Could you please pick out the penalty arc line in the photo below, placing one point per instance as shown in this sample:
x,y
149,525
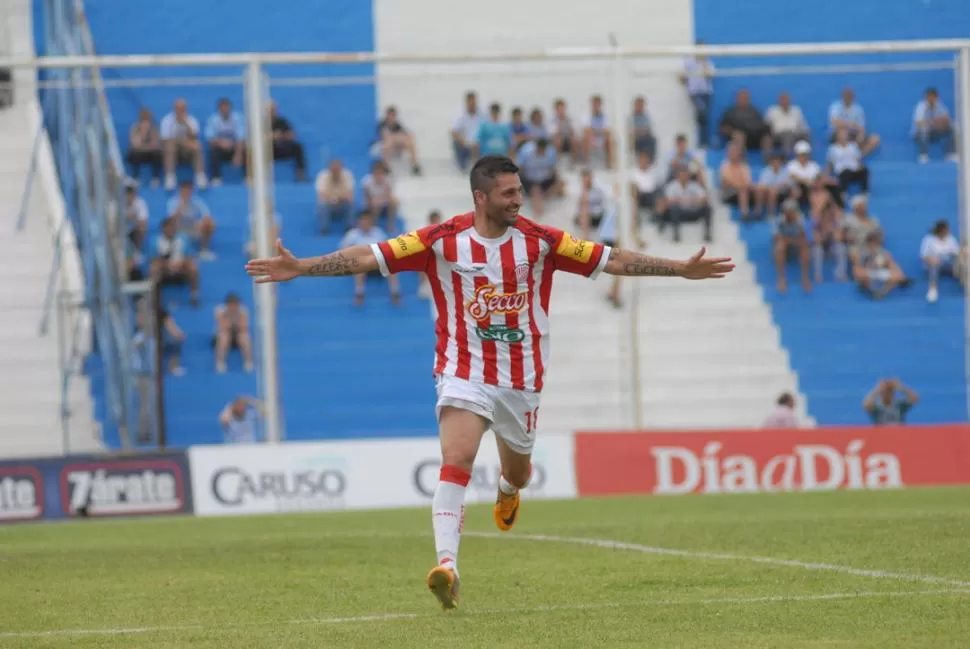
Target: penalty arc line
x,y
720,556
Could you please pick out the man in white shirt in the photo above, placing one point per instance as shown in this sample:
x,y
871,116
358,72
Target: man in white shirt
x,y
932,123
180,144
848,114
686,201
813,189
464,132
335,195
844,160
379,198
562,131
787,124
645,184
698,77
773,188
366,233
783,415
596,132
940,252
136,209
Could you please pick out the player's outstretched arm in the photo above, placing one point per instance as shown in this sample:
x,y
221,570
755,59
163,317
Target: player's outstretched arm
x,y
635,264
286,266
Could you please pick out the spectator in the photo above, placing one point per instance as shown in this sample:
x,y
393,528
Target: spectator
x,y
858,226
783,415
225,133
646,186
172,339
424,285
940,252
172,263
494,137
520,130
194,219
787,124
135,258
812,188
465,131
791,239
232,332
681,156
597,209
238,420
596,132
641,129
931,122
537,126
136,209
562,131
698,77
335,195
395,139
180,145
877,272
845,163
829,237
366,233
737,187
145,147
685,201
285,144
889,402
849,115
774,187
379,198
743,122
537,164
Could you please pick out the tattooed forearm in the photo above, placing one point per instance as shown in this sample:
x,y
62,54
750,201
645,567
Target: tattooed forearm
x,y
334,264
626,262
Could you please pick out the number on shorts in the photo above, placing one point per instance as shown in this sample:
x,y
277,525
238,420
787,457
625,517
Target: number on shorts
x,y
531,421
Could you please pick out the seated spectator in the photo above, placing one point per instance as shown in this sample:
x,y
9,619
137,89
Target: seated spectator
x,y
537,126
791,240
787,124
225,133
877,272
285,144
172,339
537,165
424,285
828,237
940,253
858,226
494,137
145,147
773,188
563,132
848,114
596,132
889,402
932,123
595,200
193,218
783,416
238,420
681,156
845,163
737,188
335,195
743,122
812,188
180,145
379,198
395,139
520,130
232,332
136,209
366,233
698,77
685,201
641,128
646,186
134,257
465,131
172,263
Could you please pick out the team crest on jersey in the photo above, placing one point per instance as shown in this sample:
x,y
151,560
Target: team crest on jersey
x,y
406,245
574,248
488,301
521,273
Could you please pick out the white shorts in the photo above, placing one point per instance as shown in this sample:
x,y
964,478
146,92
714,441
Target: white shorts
x,y
512,413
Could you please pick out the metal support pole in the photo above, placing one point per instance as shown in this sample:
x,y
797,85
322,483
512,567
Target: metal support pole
x,y
265,293
31,172
963,125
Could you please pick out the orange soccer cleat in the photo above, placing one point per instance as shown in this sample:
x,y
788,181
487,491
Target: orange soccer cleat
x,y
443,584
506,510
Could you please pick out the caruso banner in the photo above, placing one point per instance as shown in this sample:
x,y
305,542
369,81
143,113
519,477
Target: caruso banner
x,y
771,460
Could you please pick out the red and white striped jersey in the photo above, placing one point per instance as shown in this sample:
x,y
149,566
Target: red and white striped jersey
x,y
491,295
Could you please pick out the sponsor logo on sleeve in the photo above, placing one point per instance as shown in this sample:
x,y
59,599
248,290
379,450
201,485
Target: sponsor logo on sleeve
x,y
21,494
575,249
406,245
112,488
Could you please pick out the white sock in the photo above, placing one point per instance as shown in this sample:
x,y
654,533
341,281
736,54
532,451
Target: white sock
x,y
448,513
510,489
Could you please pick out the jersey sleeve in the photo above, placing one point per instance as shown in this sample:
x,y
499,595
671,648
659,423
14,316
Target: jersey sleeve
x,y
572,255
410,251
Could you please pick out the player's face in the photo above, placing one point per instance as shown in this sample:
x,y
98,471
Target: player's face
x,y
504,200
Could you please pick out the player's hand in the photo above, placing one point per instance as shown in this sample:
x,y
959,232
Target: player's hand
x,y
701,267
281,268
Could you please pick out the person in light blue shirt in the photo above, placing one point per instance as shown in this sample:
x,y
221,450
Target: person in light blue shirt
x,y
537,126
521,133
773,187
537,168
193,218
932,123
494,136
641,128
847,113
698,77
366,233
225,133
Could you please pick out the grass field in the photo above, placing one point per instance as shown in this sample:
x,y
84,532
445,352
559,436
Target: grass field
x,y
838,569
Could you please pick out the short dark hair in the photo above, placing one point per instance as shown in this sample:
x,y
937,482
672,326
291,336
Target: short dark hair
x,y
483,174
932,91
167,221
680,138
786,399
224,101
232,298
940,226
186,183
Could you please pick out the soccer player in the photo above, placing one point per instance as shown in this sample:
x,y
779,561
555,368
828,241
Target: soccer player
x,y
491,277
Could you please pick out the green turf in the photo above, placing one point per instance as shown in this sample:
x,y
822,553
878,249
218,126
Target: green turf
x,y
311,580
